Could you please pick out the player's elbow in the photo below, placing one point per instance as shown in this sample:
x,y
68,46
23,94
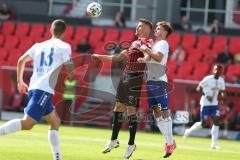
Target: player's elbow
x,y
20,61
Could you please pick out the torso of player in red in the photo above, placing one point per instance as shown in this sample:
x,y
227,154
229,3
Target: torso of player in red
x,y
133,53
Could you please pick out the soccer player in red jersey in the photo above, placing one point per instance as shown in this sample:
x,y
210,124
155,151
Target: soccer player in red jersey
x,y
127,98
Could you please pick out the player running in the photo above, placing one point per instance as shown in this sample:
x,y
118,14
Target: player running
x,y
132,78
157,82
47,58
210,87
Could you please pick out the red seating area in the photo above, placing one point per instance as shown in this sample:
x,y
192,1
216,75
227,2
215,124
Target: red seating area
x,y
16,38
201,51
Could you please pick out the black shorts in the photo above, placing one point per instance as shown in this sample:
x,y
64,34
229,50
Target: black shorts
x,y
129,89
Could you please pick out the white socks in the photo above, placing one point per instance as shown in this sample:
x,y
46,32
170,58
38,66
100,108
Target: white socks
x,y
53,138
10,127
194,127
165,126
215,130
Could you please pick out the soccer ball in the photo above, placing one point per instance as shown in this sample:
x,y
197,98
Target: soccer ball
x,y
94,9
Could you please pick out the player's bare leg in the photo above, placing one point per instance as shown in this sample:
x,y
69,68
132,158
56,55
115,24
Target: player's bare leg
x,y
26,123
215,131
164,123
116,125
53,136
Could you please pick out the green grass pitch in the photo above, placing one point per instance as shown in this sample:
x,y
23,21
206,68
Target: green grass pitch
x,y
87,143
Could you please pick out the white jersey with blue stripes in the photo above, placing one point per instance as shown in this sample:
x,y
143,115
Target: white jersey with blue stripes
x,y
48,57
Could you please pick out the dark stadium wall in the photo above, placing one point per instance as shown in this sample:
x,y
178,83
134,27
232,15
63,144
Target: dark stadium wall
x,y
33,7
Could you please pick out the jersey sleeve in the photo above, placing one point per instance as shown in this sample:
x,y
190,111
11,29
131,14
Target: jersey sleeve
x,y
31,51
222,85
162,47
66,56
203,83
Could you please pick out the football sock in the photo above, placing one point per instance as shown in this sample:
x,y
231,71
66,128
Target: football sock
x,y
195,127
117,123
53,137
11,126
132,124
215,130
165,126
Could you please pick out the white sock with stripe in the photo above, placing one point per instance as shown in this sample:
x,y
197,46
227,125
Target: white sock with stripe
x,y
53,137
10,127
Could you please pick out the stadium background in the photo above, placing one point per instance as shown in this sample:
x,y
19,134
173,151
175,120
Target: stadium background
x,y
30,23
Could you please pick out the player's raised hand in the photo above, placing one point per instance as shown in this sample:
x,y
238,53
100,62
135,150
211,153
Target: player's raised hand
x,y
22,87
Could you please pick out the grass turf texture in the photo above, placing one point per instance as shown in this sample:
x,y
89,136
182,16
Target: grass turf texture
x,y
88,143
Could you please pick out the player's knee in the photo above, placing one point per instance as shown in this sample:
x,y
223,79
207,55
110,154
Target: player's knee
x,y
165,114
55,124
27,125
156,112
131,110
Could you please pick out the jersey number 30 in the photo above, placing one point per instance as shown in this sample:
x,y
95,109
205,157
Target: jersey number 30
x,y
46,60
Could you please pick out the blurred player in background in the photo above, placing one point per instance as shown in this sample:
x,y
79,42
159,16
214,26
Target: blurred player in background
x,y
157,82
47,58
210,87
129,88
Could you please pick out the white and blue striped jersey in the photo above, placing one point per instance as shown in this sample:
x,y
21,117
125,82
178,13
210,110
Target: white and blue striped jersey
x,y
48,58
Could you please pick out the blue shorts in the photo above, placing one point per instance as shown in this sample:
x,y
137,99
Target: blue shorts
x,y
39,104
209,111
158,94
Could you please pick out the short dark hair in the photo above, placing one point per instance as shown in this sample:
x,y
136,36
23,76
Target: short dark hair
x,y
219,66
58,27
147,22
167,26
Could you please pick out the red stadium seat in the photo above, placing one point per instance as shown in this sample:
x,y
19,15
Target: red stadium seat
x,y
111,35
127,35
14,55
219,43
3,54
8,28
39,39
200,70
69,32
25,44
96,36
174,40
171,69
82,32
232,70
1,40
97,33
37,30
194,55
185,69
11,42
22,29
100,48
234,45
189,41
47,34
204,42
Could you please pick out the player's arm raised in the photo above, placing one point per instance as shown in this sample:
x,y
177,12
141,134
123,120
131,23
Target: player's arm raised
x,y
115,58
22,86
156,56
